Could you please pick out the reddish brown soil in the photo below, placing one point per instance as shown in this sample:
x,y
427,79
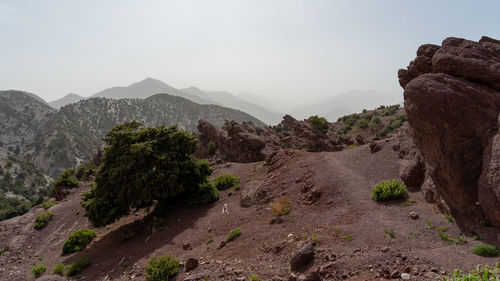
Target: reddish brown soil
x,y
344,178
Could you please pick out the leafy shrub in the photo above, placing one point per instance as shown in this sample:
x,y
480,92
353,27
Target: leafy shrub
x,y
206,194
225,181
144,168
59,269
66,180
78,240
43,219
281,207
486,250
445,237
390,233
211,147
460,240
210,240
77,267
449,218
233,234
48,204
389,190
484,273
162,269
85,170
348,237
38,270
254,277
319,123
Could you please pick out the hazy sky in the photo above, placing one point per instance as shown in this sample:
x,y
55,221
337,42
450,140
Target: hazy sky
x,y
293,52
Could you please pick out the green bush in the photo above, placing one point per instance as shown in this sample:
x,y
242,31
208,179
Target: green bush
x,y
162,269
206,193
389,190
48,204
77,267
66,180
225,181
78,240
211,148
233,234
146,168
254,277
486,250
319,123
484,273
43,219
38,270
59,269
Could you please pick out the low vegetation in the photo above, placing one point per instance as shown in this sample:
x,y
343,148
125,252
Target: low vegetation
x,y
59,269
486,250
254,277
483,273
225,181
389,190
319,123
147,168
390,233
48,204
77,267
280,207
85,171
162,269
78,241
65,179
38,270
43,219
211,148
233,235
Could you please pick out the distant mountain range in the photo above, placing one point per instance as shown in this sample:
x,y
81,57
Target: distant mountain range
x,y
59,139
150,86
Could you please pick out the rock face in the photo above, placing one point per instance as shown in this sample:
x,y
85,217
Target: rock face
x,y
452,100
303,258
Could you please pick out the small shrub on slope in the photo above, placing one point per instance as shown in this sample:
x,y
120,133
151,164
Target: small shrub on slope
x,y
281,207
233,234
483,273
43,219
162,269
389,190
486,250
78,240
38,270
225,181
77,267
59,269
319,123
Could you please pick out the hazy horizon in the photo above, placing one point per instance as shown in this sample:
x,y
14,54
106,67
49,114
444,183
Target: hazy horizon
x,y
289,52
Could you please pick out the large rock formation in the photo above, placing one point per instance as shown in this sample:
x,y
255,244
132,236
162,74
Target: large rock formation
x,y
452,100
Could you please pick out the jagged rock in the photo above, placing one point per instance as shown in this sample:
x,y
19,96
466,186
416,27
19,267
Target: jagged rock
x,y
302,258
452,108
252,193
413,173
191,264
374,147
186,246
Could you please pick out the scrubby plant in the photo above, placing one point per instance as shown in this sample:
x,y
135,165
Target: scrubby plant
x,y
254,277
147,168
225,181
460,240
233,234
59,269
336,229
409,202
483,273
389,190
85,170
348,237
162,269
211,148
485,250
65,179
316,239
77,267
445,237
280,207
229,193
449,218
390,233
43,219
430,225
78,240
48,204
38,270
442,228
210,240
319,123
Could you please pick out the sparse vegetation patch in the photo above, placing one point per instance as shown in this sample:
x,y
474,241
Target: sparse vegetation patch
x,y
233,235
486,250
38,270
281,207
77,267
162,269
389,190
225,181
43,219
78,240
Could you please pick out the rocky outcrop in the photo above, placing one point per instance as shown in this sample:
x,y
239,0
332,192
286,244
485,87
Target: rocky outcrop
x,y
248,143
452,101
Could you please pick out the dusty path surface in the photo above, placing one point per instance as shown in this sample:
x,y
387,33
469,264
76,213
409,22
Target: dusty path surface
x,y
347,226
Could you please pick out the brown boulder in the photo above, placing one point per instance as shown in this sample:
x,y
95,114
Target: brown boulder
x,y
453,111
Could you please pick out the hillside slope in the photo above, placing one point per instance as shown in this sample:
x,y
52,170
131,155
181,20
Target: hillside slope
x,y
347,226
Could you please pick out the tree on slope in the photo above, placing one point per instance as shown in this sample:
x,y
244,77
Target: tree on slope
x,y
147,167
